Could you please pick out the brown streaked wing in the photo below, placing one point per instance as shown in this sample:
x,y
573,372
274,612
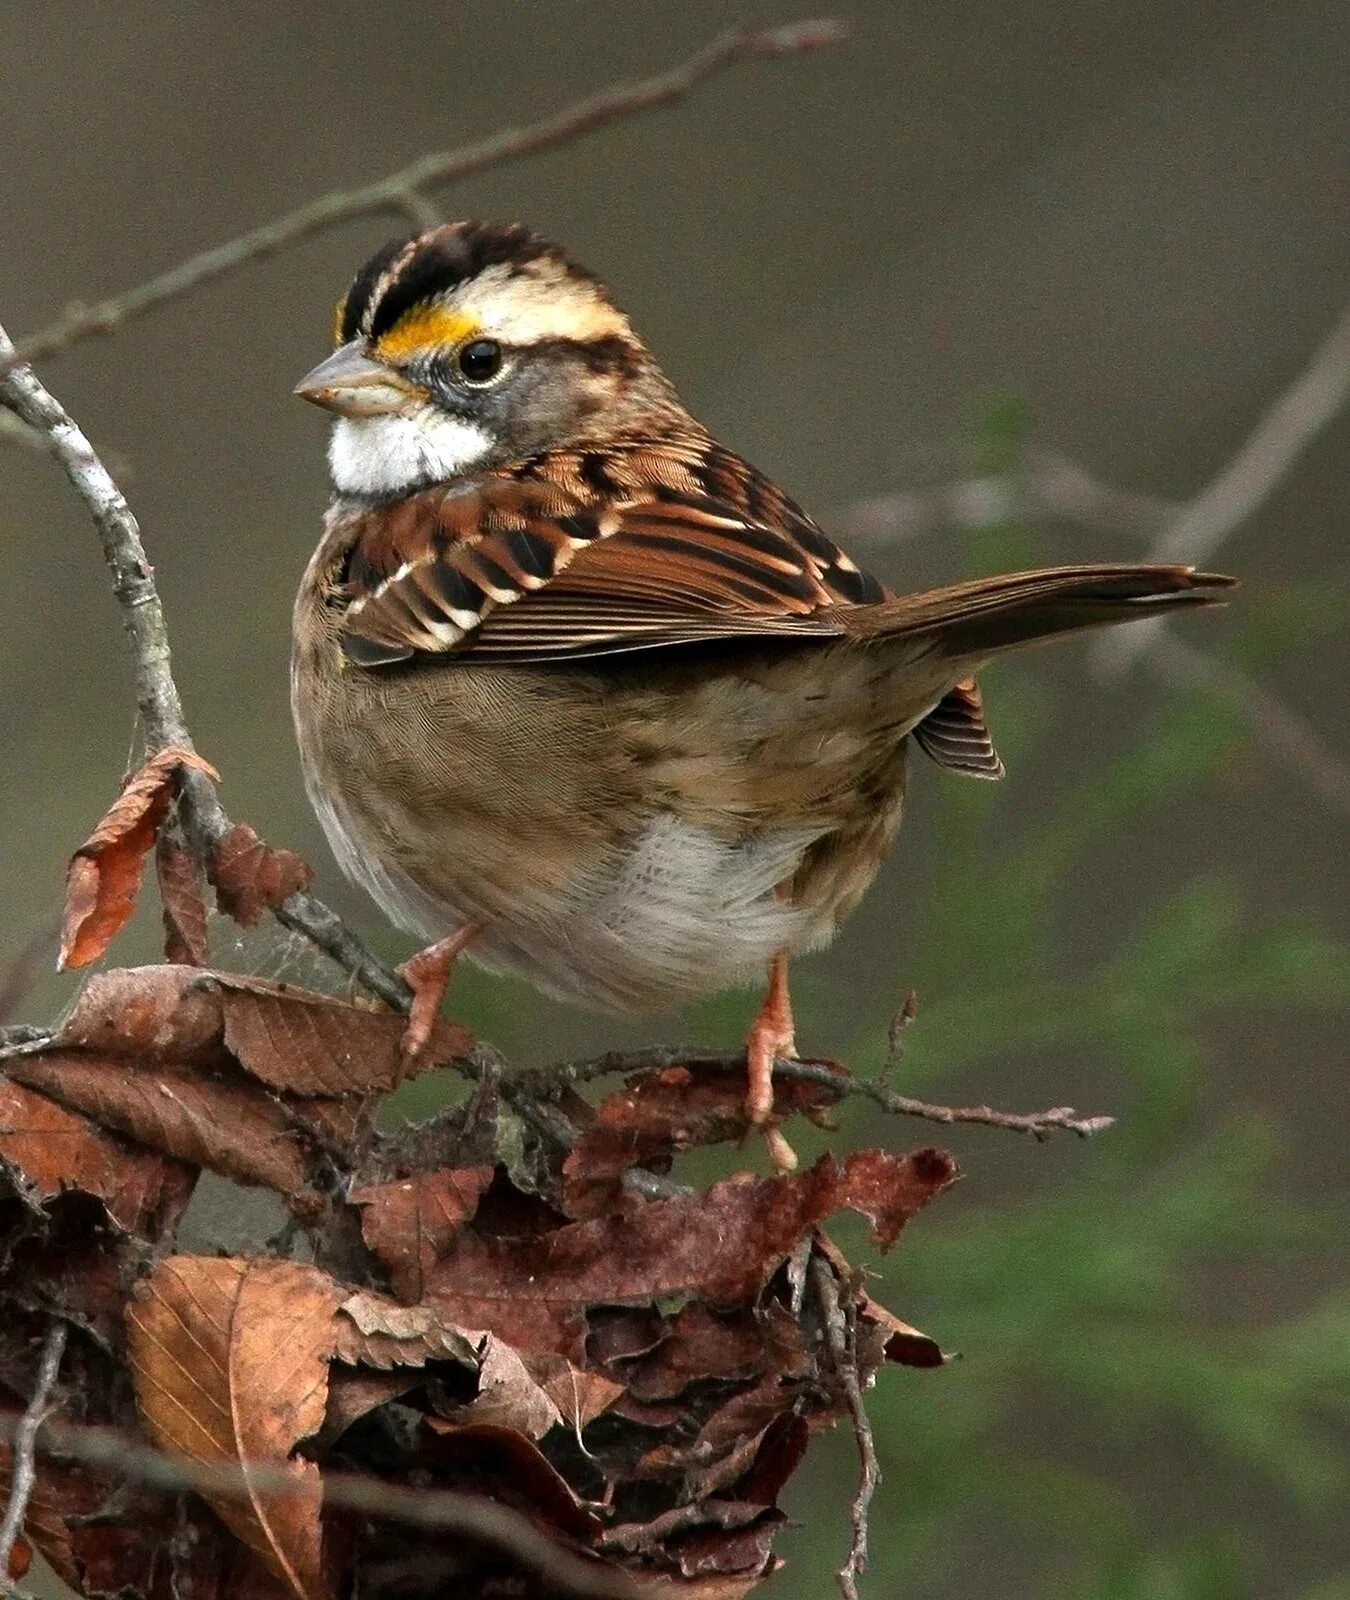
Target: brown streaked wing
x,y
581,554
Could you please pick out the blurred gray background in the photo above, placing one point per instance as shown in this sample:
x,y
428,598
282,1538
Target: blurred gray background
x,y
1112,231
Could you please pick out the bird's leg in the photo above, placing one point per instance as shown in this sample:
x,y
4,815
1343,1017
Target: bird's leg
x,y
771,1034
427,974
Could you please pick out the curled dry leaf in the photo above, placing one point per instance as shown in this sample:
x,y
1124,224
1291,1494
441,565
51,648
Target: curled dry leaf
x,y
508,1397
49,1149
104,876
250,877
578,1397
409,1222
179,877
373,1331
229,1359
702,1344
535,1292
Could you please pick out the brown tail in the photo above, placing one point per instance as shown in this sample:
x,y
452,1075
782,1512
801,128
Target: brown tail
x,y
974,620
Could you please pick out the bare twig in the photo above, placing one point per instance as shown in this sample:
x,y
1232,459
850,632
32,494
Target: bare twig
x,y
1055,486
547,1081
395,193
14,432
840,1329
1039,1124
895,1034
24,968
470,1516
1246,480
23,1451
1051,486
157,697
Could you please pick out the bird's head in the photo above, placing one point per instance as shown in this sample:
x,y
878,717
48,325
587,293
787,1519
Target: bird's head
x,y
475,346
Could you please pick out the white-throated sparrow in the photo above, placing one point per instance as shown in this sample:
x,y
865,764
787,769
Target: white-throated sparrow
x,y
578,688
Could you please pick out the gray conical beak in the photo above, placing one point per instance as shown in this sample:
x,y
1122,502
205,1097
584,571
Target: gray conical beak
x,y
353,385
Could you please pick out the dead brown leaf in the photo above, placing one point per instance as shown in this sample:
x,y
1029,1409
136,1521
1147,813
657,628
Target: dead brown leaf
x,y
51,1149
289,1038
179,876
717,1551
662,1112
509,1467
311,1044
231,1127
409,1221
535,1292
579,1397
700,1343
57,1493
250,877
150,1013
229,1359
508,1397
104,877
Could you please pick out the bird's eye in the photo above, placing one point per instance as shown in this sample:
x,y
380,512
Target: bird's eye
x,y
481,360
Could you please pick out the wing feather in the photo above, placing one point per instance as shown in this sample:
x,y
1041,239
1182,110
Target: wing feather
x,y
579,554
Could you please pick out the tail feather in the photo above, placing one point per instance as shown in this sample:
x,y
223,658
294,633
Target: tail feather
x,y
971,621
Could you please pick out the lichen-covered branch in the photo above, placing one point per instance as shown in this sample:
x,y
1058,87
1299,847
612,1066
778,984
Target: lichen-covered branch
x,y
23,1449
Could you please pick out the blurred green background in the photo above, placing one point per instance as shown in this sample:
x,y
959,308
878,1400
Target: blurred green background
x,y
977,233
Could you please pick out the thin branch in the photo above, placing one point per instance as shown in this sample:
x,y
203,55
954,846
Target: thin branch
x,y
157,698
1277,725
23,1451
547,1081
840,1330
19,975
470,1516
392,193
1056,486
895,1034
1039,1124
1051,486
420,211
14,432
1246,480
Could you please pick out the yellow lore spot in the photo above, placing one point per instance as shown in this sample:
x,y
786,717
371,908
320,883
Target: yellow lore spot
x,y
426,327
339,313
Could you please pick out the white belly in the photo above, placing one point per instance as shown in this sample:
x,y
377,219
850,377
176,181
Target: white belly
x,y
678,914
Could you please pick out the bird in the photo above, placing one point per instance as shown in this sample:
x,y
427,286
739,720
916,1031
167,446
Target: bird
x,y
580,693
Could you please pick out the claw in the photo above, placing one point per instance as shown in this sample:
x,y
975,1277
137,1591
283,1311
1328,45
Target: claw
x,y
771,1034
427,974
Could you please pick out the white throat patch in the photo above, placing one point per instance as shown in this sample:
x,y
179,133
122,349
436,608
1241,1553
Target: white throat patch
x,y
381,455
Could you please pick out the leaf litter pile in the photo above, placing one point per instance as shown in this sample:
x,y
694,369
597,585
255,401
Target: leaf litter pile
x,y
500,1353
